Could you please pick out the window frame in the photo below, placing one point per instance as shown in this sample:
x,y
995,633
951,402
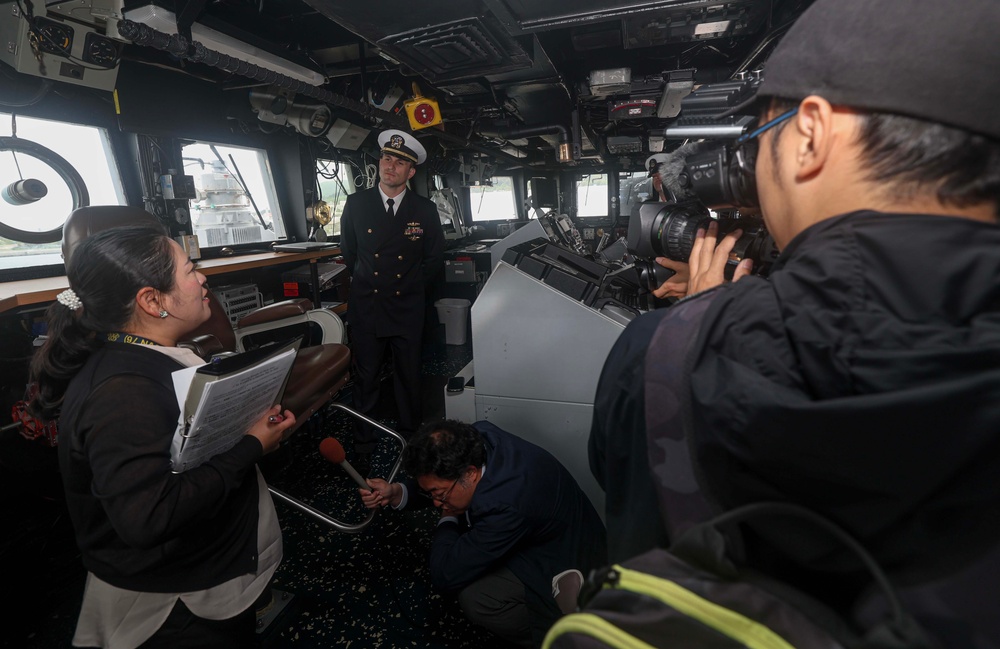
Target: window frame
x,y
40,250
270,187
607,197
338,180
514,215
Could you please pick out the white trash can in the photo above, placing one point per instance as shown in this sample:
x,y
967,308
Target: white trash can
x,y
454,315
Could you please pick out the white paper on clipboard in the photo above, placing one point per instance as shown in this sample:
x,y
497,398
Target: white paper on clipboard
x,y
225,407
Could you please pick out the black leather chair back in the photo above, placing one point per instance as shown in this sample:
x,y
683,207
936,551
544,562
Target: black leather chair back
x,y
85,221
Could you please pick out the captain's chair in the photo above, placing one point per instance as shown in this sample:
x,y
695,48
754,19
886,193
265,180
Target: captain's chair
x,y
318,373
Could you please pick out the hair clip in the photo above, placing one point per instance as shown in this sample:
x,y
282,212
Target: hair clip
x,y
69,299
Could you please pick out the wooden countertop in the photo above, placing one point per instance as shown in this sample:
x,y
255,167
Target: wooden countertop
x,y
29,292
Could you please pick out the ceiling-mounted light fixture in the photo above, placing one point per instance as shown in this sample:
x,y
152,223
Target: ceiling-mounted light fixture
x,y
23,192
165,21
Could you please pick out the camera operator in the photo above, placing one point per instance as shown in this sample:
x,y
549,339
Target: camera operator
x,y
862,378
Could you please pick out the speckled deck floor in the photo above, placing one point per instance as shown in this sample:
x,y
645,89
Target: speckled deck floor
x,y
370,589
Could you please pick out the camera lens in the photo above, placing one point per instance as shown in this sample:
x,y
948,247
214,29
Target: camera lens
x,y
675,229
665,229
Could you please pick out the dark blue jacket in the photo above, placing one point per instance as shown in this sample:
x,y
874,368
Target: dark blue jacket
x,y
527,514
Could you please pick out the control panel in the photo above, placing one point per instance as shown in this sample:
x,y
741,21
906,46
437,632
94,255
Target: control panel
x,y
61,50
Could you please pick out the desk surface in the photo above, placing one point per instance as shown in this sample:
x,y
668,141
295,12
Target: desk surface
x,y
39,291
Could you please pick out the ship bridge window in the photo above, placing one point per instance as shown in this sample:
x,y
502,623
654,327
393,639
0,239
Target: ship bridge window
x,y
634,187
493,203
49,169
235,200
592,195
335,181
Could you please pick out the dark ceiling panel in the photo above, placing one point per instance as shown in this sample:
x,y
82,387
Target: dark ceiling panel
x,y
720,20
522,16
461,49
495,62
376,20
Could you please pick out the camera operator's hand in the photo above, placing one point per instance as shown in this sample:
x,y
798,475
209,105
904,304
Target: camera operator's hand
x,y
677,285
708,260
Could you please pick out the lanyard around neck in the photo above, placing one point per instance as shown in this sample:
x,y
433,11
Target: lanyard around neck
x,y
129,339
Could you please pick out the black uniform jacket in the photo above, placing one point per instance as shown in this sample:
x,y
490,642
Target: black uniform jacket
x,y
390,262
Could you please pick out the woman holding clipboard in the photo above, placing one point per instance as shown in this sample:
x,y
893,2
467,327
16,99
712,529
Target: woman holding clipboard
x,y
173,559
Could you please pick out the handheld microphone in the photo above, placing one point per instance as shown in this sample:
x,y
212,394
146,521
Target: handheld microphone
x,y
333,451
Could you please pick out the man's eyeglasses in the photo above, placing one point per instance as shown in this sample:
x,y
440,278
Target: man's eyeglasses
x,y
441,497
748,144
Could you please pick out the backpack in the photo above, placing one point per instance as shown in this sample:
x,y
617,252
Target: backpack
x,y
694,596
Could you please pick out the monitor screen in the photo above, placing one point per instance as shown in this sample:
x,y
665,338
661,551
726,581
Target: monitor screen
x,y
544,193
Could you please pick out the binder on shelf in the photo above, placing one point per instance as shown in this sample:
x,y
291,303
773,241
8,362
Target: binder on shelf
x,y
221,400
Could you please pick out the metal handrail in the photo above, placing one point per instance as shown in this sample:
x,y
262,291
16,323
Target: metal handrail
x,y
326,518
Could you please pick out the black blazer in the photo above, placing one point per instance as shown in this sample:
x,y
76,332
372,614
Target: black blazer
x,y
390,262
138,525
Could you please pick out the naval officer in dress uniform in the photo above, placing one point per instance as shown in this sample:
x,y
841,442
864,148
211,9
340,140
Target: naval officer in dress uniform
x,y
393,246
653,163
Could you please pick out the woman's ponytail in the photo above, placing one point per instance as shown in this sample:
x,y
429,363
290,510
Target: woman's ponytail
x,y
106,273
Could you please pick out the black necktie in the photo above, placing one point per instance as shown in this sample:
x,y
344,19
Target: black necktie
x,y
388,210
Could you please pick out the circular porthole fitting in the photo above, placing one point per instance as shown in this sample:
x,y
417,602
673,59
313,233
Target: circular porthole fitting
x,y
38,190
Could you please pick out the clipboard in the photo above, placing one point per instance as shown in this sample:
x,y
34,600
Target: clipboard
x,y
219,401
229,365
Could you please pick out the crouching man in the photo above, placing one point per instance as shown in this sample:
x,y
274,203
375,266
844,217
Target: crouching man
x,y
513,520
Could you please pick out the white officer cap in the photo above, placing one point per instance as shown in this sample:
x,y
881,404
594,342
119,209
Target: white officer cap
x,y
653,161
402,145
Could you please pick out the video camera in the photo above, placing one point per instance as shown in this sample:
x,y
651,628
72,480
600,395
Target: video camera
x,y
702,181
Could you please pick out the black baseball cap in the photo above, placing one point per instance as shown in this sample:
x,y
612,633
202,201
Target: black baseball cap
x,y
935,60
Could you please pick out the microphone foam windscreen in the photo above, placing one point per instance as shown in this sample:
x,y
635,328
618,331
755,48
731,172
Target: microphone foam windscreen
x,y
332,450
671,168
